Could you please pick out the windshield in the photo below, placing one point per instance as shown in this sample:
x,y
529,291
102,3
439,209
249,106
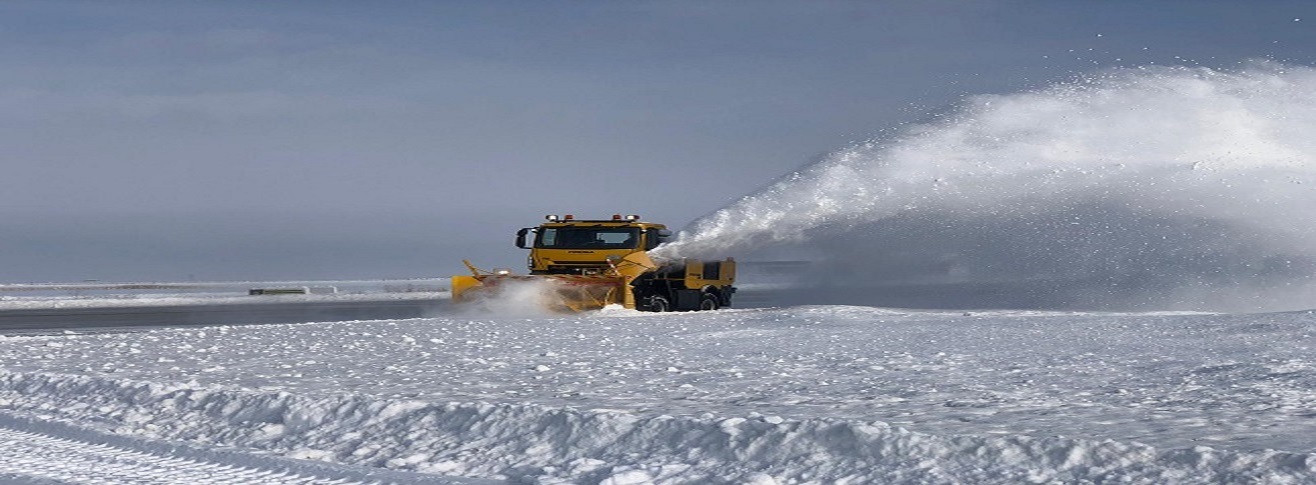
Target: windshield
x,y
587,238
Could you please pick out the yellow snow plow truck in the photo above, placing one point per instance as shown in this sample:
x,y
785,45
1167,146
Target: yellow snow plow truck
x,y
578,265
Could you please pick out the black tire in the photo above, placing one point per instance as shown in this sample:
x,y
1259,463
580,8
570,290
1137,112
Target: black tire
x,y
658,304
709,302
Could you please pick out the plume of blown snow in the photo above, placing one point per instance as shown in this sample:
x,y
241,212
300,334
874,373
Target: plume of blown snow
x,y
1195,183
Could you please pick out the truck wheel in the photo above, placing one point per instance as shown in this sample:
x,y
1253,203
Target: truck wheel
x,y
659,304
708,302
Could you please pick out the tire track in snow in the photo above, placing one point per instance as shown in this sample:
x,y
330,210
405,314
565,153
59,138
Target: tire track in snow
x,y
24,454
38,452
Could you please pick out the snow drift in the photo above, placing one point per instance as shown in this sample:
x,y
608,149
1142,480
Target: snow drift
x,y
812,394
1154,187
547,445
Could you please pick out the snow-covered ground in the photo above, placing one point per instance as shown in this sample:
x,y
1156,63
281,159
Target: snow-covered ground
x,y
810,394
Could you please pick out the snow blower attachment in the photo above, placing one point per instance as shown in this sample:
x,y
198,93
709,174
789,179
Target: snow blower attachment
x,y
579,265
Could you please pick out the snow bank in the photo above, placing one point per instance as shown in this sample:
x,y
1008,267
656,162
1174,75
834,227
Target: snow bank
x,y
112,295
564,445
118,301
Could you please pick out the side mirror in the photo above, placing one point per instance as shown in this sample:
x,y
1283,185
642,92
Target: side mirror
x,y
656,237
520,237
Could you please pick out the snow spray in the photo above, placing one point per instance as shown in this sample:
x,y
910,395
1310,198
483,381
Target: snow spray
x,y
1157,187
515,298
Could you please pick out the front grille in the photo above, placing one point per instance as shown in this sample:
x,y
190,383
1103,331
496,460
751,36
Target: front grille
x,y
564,269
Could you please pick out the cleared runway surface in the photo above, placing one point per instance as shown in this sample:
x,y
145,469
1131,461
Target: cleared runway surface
x,y
28,321
47,320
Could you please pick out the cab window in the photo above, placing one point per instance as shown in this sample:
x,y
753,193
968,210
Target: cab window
x,y
588,238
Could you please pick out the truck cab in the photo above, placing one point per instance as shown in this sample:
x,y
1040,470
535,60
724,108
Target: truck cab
x,y
565,245
605,261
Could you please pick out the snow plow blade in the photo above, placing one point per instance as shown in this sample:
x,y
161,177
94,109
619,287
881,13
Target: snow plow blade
x,y
558,292
562,293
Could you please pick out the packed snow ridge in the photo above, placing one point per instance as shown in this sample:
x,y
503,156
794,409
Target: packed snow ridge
x,y
48,296
824,394
121,301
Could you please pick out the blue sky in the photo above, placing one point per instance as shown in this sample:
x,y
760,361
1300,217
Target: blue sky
x,y
259,140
